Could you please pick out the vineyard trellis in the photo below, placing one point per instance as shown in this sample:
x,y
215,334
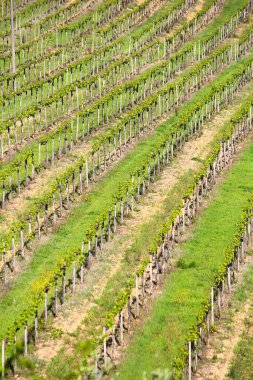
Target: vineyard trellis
x,y
72,256
150,272
85,170
89,85
57,141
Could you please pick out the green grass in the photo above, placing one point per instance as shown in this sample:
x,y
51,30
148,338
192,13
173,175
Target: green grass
x,y
159,341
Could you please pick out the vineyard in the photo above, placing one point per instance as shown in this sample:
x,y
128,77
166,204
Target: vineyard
x,y
126,189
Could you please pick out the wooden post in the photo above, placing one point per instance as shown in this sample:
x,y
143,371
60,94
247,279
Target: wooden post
x,y
74,277
63,287
173,234
56,298
15,365
115,217
163,256
22,242
249,233
104,346
151,273
222,291
87,172
80,181
242,250
45,306
4,267
121,328
96,368
219,301
38,224
208,323
25,340
13,44
143,287
189,361
113,341
229,280
36,328
121,211
137,296
128,312
3,358
183,217
195,356
13,253
212,307
82,273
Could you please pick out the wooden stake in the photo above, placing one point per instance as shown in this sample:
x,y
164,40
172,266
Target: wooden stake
x,y
212,307
189,361
3,358
25,339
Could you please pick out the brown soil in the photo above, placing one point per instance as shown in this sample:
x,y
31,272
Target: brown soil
x,y
192,12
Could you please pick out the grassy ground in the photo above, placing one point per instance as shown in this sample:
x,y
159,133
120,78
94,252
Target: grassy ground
x,y
159,341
